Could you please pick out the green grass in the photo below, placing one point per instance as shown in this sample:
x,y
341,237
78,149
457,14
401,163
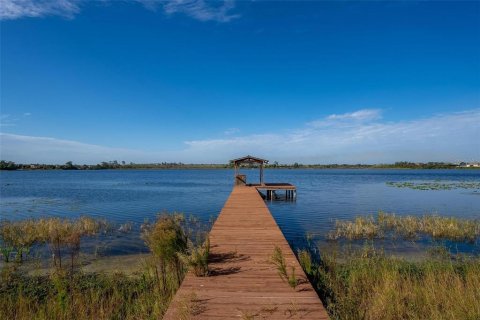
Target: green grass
x,y
278,260
82,296
69,293
368,284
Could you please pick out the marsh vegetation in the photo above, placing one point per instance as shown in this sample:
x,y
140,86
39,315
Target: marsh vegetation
x,y
367,283
435,185
354,283
407,227
176,245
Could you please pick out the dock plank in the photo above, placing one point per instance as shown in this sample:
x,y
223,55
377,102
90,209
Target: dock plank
x,y
243,282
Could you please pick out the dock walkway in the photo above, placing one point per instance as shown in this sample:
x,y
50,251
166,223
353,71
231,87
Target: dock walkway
x,y
243,283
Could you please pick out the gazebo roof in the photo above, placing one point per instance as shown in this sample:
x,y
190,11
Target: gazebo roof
x,y
249,159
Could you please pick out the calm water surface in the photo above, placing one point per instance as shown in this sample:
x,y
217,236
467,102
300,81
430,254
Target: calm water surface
x,y
323,196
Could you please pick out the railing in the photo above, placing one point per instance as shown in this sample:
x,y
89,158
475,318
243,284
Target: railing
x,y
240,180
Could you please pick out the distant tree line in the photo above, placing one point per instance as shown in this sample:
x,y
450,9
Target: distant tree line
x,y
10,165
396,165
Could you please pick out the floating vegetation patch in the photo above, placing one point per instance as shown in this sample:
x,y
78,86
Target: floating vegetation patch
x,y
434,185
407,227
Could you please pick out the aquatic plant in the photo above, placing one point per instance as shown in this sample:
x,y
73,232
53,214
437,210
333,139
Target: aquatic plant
x,y
59,234
73,294
65,235
361,228
407,227
435,185
18,237
305,259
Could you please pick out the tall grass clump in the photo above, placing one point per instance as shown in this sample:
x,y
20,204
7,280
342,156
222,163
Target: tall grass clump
x,y
17,237
196,258
437,227
278,259
62,236
177,246
305,259
407,227
81,296
167,239
361,228
368,284
74,294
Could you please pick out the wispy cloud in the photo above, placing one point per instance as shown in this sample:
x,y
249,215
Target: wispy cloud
x,y
220,11
360,115
30,149
201,10
231,131
14,9
360,136
342,138
6,120
9,120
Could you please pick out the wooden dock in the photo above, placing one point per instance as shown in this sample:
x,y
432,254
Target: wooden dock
x,y
244,284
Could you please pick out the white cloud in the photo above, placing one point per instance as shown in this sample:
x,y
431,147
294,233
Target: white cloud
x,y
361,115
201,10
444,137
14,9
6,120
27,114
231,131
360,138
29,149
347,119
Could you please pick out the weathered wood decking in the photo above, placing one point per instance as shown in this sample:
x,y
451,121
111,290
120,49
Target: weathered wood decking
x,y
244,284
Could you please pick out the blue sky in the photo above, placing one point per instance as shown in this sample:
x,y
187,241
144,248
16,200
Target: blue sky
x,y
198,81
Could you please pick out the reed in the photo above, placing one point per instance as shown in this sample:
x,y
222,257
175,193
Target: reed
x,y
81,296
305,259
73,294
61,235
368,284
407,227
196,258
17,237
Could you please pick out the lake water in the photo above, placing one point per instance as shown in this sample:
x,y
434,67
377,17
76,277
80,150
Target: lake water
x,y
323,196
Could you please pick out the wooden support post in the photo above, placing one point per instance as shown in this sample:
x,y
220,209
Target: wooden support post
x,y
235,172
261,174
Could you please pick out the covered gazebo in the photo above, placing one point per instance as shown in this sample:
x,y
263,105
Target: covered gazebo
x,y
242,179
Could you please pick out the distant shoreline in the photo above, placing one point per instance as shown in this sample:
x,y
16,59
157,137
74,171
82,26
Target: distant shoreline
x,y
114,165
